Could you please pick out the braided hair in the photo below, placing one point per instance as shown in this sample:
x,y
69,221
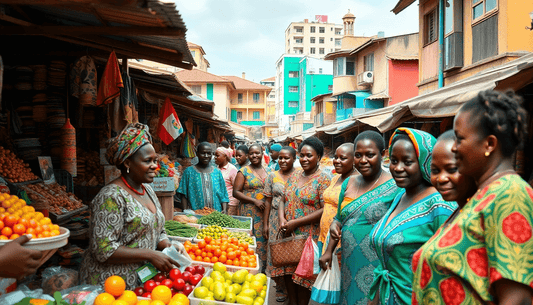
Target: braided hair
x,y
500,114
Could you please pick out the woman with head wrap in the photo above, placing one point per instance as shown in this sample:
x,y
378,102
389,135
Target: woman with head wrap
x,y
416,213
127,223
229,172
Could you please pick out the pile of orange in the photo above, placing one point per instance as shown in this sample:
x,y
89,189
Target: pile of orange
x,y
225,250
14,168
17,218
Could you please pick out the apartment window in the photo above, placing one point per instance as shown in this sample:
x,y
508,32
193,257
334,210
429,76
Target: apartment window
x,y
321,51
256,97
321,29
239,115
256,115
337,42
369,62
480,8
196,89
330,88
312,51
430,27
293,104
193,53
321,40
239,98
448,17
298,40
350,66
312,39
331,29
272,96
319,70
313,29
344,66
293,74
337,32
293,88
299,30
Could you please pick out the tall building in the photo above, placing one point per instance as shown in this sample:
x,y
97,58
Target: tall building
x,y
315,38
271,125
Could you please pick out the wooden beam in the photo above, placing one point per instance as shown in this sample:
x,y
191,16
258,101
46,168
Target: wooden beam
x,y
91,30
70,2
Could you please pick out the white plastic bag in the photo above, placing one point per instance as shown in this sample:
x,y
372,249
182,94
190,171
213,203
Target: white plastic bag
x,y
327,287
183,259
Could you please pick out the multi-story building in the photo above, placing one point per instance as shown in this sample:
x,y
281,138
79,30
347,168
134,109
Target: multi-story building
x,y
198,54
248,101
315,38
271,125
478,35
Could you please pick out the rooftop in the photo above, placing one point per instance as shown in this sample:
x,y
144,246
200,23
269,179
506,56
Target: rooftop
x,y
244,84
199,76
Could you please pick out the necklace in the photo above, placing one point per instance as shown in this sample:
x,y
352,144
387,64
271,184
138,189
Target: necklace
x,y
131,188
371,187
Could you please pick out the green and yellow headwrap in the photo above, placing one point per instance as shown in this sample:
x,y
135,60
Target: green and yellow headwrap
x,y
121,147
423,143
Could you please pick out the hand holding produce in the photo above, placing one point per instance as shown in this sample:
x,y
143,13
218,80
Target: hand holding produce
x,y
17,261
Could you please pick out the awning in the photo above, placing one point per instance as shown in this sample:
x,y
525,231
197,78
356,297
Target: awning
x,y
336,127
141,29
402,57
378,96
321,97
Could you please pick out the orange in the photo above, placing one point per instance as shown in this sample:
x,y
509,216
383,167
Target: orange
x,y
3,237
19,229
223,236
244,264
24,222
222,259
129,297
180,298
46,234
208,239
209,254
45,227
232,255
34,224
119,302
201,244
38,229
54,227
54,233
234,241
14,236
245,246
7,232
115,285
229,262
1,225
7,204
2,210
2,216
46,221
104,299
198,252
217,252
250,251
157,302
30,231
206,259
192,257
11,220
38,216
162,293
214,259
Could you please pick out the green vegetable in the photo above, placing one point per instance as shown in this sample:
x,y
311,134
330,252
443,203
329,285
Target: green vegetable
x,y
175,228
223,220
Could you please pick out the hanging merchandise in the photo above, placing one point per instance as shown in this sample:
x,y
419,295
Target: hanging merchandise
x,y
68,148
128,98
169,126
57,72
111,81
83,81
188,146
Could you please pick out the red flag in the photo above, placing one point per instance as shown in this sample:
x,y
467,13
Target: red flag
x,y
169,126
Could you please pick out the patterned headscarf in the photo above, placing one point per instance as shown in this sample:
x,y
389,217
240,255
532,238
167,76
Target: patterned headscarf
x,y
423,143
226,151
121,147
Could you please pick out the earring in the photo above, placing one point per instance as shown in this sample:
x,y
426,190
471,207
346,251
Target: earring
x,y
128,170
487,154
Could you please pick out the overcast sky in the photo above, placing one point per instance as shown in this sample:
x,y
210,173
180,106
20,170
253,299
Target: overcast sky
x,y
248,35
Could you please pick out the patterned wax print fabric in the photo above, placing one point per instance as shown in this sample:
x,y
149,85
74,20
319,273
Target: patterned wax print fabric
x,y
358,259
238,166
229,172
203,189
331,199
120,220
396,242
127,143
274,187
423,143
300,202
273,165
83,81
490,239
254,187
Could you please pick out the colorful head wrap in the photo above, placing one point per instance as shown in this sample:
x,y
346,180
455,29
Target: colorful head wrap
x,y
275,147
226,151
423,143
121,147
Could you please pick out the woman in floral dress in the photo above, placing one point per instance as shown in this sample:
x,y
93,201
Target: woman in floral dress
x,y
301,210
127,223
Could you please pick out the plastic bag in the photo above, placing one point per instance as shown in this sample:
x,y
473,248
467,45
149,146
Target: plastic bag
x,y
21,293
327,287
183,259
306,267
82,293
58,278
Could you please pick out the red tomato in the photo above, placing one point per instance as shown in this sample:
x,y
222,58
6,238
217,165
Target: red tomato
x,y
139,291
191,269
149,286
174,274
186,276
160,277
178,284
147,295
199,270
167,282
195,279
187,289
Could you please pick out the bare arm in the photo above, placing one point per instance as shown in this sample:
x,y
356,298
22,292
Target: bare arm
x,y
266,216
237,192
302,221
17,261
512,293
326,258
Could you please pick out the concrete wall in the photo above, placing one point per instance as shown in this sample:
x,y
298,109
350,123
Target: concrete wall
x,y
403,77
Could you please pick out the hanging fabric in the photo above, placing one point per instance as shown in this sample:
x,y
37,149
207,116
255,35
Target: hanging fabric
x,y
111,82
128,98
188,150
83,81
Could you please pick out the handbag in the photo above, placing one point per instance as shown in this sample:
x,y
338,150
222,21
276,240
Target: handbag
x,y
287,251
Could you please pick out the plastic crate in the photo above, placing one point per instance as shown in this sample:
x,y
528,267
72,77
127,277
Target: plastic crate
x,y
233,268
63,177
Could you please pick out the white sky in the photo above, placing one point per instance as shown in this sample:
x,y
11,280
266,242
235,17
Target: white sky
x,y
248,35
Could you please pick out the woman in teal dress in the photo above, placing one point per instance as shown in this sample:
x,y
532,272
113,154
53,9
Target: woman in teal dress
x,y
414,216
202,185
249,189
373,191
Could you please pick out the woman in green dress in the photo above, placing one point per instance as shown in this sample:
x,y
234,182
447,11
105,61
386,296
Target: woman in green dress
x,y
483,254
414,216
363,200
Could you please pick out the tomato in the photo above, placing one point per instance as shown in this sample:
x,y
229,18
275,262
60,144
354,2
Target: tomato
x,y
186,276
149,286
187,289
147,295
174,274
139,291
160,277
200,270
178,284
195,279
191,269
167,282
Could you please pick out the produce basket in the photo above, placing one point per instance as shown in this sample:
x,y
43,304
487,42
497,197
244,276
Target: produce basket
x,y
233,268
241,218
196,301
254,246
58,218
180,239
47,243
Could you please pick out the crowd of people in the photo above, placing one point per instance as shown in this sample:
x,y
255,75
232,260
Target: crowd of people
x,y
449,222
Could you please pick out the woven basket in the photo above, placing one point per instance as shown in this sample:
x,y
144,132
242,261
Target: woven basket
x,y
287,251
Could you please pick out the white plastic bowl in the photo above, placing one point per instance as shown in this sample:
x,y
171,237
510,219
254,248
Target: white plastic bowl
x,y
47,243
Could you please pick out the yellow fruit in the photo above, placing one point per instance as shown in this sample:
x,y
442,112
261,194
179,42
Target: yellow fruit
x,y
180,298
115,285
104,299
38,216
2,210
119,302
143,302
157,302
129,296
161,293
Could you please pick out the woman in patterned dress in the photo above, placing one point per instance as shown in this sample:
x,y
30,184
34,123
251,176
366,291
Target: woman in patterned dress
x,y
416,213
301,210
274,192
249,188
373,191
127,223
483,254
